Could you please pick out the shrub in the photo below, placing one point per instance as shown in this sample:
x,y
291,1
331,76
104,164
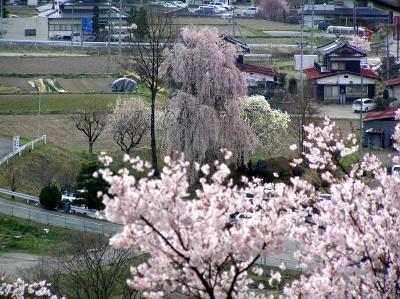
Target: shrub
x,y
49,197
383,103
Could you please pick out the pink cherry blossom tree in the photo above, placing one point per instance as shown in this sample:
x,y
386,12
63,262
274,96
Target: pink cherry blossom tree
x,y
204,113
21,289
351,249
274,9
361,43
193,248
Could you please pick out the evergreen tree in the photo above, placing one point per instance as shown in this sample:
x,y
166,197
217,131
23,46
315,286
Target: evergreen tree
x,y
92,185
141,21
95,21
4,12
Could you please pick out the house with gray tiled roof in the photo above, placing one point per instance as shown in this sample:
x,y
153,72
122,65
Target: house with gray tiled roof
x,y
338,75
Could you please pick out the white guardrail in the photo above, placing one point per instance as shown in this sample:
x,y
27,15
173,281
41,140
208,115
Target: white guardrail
x,y
54,219
28,198
18,151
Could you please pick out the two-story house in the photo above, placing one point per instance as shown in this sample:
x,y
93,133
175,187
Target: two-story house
x,y
338,75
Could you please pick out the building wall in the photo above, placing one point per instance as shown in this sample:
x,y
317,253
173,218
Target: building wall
x,y
253,78
32,28
387,126
394,91
342,80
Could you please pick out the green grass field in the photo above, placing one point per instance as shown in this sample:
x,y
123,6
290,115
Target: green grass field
x,y
19,235
66,103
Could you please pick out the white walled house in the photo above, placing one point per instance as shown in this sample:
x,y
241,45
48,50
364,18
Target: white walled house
x,y
393,86
257,75
338,75
31,28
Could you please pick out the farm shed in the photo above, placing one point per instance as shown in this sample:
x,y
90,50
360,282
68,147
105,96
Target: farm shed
x,y
378,129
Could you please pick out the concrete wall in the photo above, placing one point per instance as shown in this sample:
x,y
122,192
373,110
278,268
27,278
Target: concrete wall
x,y
15,28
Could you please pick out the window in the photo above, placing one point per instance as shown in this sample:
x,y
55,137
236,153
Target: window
x,y
331,91
338,66
30,32
357,89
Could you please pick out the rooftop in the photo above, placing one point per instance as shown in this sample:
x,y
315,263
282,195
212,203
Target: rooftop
x,y
392,82
315,74
250,68
380,115
340,48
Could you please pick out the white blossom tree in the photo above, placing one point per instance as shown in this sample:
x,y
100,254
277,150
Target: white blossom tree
x,y
128,123
361,43
204,113
269,125
22,289
274,9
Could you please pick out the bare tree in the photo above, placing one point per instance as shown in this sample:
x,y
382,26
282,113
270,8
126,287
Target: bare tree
x,y
87,267
146,56
13,175
92,124
129,122
303,109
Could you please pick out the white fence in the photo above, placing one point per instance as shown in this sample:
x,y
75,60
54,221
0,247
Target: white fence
x,y
56,219
18,151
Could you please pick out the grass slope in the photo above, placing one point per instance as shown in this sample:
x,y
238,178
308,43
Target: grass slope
x,y
44,162
19,235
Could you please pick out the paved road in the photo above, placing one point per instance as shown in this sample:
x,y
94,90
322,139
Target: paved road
x,y
5,146
338,111
55,218
11,263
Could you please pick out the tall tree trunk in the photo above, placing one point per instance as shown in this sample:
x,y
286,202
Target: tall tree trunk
x,y
90,146
153,134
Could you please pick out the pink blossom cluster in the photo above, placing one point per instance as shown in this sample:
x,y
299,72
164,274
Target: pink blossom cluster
x,y
351,249
361,43
192,246
23,290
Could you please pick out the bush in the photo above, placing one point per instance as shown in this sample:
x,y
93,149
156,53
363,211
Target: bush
x,y
49,197
383,103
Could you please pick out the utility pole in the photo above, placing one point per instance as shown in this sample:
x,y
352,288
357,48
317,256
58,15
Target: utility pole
x,y
301,146
312,27
233,22
1,7
361,109
387,46
39,108
108,48
120,22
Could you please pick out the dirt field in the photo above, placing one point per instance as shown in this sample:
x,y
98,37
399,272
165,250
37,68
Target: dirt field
x,y
57,65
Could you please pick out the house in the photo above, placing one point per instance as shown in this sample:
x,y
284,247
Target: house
x,y
378,128
67,16
338,76
27,28
258,76
393,86
342,13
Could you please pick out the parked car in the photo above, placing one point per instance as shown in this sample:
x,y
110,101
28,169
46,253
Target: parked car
x,y
236,217
180,4
227,15
205,10
224,6
367,105
396,168
250,11
218,9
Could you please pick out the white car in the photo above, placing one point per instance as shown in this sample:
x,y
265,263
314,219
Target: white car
x,y
250,11
226,16
217,8
224,6
396,168
367,105
179,4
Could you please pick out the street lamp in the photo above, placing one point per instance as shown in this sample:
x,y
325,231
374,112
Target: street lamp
x,y
44,236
